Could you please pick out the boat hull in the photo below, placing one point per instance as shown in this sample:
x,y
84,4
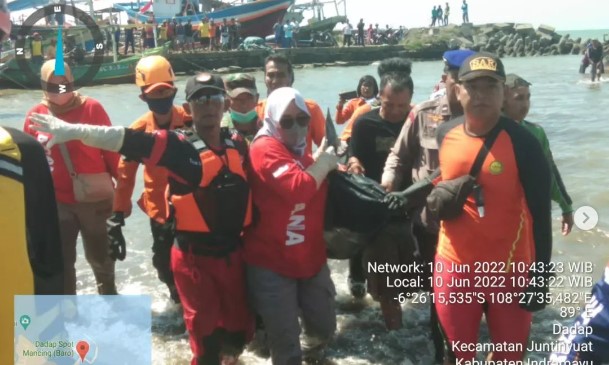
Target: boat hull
x,y
119,72
257,18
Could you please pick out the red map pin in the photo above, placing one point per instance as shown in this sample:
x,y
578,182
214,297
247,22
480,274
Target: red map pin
x,y
82,347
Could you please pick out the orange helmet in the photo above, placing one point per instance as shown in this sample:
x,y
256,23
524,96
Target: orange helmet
x,y
5,21
152,72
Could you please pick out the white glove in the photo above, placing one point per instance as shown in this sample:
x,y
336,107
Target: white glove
x,y
343,148
322,147
106,138
325,162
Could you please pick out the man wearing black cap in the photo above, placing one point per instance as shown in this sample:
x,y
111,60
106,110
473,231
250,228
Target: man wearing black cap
x,y
499,242
211,203
415,156
516,106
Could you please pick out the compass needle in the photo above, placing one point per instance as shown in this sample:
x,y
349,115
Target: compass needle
x,y
83,72
59,69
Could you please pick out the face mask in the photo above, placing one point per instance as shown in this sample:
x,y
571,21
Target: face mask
x,y
243,118
160,106
295,136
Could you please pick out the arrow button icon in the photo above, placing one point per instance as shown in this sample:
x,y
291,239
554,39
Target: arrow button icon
x,y
585,218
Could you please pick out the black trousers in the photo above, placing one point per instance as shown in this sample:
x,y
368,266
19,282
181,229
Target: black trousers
x,y
162,240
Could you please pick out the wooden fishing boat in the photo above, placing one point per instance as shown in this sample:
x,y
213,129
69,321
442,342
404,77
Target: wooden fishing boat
x,y
110,72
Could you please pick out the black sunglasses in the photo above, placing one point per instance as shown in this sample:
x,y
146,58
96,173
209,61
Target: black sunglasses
x,y
287,122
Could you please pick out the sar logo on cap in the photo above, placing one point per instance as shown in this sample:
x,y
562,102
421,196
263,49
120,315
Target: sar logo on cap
x,y
483,63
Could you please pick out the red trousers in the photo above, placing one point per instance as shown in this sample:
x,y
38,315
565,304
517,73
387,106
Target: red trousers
x,y
213,295
460,308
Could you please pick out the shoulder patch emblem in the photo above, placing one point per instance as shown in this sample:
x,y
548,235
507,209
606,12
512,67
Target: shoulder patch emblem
x,y
496,168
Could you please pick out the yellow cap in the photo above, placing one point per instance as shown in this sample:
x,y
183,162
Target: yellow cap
x,y
153,70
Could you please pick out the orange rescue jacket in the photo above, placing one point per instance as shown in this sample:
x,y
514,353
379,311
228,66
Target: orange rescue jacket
x,y
153,201
190,209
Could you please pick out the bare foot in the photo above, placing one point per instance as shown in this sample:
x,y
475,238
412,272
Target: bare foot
x,y
392,313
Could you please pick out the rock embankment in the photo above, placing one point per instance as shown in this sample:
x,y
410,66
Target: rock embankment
x,y
504,39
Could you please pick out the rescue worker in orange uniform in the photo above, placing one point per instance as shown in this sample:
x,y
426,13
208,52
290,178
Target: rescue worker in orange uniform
x,y
211,203
154,76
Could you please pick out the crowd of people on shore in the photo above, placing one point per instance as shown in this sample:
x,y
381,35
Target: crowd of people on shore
x,y
236,196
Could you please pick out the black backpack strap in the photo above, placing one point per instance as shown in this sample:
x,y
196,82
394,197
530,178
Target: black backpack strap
x,y
485,149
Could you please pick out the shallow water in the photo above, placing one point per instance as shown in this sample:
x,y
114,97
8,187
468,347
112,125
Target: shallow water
x,y
572,113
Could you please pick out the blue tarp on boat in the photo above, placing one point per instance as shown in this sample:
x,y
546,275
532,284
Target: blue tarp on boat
x,y
19,5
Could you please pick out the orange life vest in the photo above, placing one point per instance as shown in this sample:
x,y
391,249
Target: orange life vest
x,y
221,206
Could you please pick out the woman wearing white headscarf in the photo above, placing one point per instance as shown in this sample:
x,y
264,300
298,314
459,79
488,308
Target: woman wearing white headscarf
x,y
286,255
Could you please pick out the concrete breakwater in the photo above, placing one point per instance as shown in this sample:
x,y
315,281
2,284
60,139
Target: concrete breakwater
x,y
236,61
504,39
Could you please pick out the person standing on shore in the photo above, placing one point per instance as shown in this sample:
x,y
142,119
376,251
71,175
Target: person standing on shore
x,y
189,43
360,33
204,34
465,10
446,13
278,30
516,106
36,49
225,35
155,78
439,16
347,32
129,37
180,36
278,72
213,35
288,30
51,50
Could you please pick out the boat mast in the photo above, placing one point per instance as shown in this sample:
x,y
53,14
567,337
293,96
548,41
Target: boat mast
x,y
91,9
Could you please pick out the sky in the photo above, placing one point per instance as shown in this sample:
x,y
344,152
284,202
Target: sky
x,y
561,14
